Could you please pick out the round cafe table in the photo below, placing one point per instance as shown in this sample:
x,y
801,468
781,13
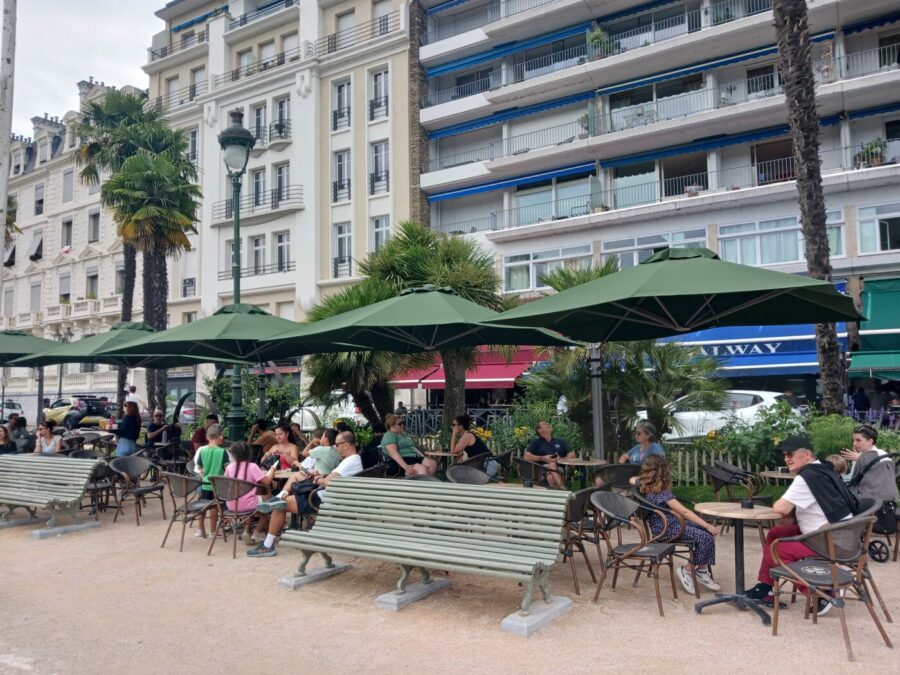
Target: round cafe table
x,y
582,465
441,457
777,475
735,512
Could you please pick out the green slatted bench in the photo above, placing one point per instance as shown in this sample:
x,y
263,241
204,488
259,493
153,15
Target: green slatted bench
x,y
33,482
500,532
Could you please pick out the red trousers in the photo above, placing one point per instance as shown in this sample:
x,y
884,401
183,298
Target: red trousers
x,y
789,552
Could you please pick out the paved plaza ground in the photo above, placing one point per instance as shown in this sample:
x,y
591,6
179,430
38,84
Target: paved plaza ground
x,y
110,600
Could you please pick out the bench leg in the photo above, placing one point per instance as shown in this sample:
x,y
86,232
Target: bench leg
x,y
301,569
426,576
539,578
32,511
56,508
404,578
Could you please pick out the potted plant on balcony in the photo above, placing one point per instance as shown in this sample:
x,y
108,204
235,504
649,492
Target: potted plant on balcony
x,y
91,296
585,122
63,300
871,153
601,43
278,129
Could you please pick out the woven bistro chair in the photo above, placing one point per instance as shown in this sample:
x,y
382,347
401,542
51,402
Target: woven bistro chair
x,y
230,490
467,475
102,484
478,461
377,471
186,504
133,470
574,534
615,477
535,473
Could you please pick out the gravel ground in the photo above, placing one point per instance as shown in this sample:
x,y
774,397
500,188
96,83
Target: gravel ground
x,y
110,600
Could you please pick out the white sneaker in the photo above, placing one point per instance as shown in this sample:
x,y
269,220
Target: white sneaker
x,y
685,578
705,578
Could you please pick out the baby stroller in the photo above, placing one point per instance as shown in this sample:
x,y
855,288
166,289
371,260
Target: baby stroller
x,y
885,520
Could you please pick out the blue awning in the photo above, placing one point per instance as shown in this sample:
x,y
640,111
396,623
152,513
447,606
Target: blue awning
x,y
634,11
512,182
872,23
506,49
199,19
879,110
510,113
445,5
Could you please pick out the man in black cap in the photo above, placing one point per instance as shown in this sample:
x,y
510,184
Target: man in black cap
x,y
818,496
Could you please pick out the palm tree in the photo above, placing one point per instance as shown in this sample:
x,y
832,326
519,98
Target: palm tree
x,y
363,375
11,229
155,208
792,32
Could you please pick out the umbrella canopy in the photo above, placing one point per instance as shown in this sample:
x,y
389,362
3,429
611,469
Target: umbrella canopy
x,y
417,320
233,332
15,343
680,290
92,350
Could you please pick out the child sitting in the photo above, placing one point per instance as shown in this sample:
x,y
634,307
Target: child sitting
x,y
243,469
210,461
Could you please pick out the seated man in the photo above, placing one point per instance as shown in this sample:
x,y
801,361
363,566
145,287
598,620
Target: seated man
x,y
873,472
546,450
160,432
819,497
198,439
286,502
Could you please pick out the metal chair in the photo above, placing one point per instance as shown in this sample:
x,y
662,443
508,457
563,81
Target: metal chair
x,y
615,477
574,534
531,472
752,482
101,485
478,461
172,458
230,490
722,479
186,489
615,510
467,475
377,471
503,460
133,470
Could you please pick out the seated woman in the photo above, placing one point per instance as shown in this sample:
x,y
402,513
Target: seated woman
x,y
283,451
47,443
646,445
655,484
463,443
873,474
402,457
7,445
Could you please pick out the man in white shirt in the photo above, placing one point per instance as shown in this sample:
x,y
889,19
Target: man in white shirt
x,y
135,397
833,504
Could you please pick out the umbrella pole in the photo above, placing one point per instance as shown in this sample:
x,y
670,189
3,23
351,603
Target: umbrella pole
x,y
40,395
261,388
595,361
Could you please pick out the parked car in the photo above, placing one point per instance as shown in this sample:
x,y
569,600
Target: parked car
x,y
9,407
77,411
741,404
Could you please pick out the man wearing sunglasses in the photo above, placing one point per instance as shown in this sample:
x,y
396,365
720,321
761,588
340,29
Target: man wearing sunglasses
x,y
160,432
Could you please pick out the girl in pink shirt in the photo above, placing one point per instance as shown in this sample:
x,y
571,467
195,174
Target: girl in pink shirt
x,y
242,468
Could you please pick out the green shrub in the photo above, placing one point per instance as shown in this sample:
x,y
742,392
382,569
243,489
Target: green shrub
x,y
829,434
889,441
758,441
517,431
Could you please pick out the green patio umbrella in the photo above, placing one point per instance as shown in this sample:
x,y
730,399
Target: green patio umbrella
x,y
680,290
418,320
93,350
15,344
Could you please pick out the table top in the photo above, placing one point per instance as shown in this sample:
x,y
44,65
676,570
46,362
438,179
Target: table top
x,y
439,453
516,485
734,511
777,475
577,461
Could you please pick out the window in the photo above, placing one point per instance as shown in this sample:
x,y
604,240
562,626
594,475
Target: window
x,y
94,188
892,130
267,55
91,283
36,249
282,182
283,251
193,139
188,39
768,242
834,221
38,199
380,10
16,164
879,228
68,186
341,186
8,301
283,110
198,82
259,187
888,50
761,81
93,227
378,106
474,82
120,277
172,94
258,254
340,115
379,180
290,45
66,233
70,135
188,317
244,63
259,123
524,272
36,297
343,36
553,199
229,253
635,250
65,288
343,247
381,231
43,152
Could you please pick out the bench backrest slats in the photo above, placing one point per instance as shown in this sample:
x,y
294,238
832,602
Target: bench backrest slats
x,y
60,478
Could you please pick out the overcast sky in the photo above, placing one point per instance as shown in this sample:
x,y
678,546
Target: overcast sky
x,y
60,42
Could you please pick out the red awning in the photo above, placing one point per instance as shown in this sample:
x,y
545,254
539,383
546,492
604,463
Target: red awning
x,y
486,376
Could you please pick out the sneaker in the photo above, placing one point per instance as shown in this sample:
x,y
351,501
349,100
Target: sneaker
x,y
262,552
705,578
759,592
685,578
199,534
272,504
824,607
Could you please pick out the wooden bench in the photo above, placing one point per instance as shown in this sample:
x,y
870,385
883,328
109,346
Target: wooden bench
x,y
508,534
33,482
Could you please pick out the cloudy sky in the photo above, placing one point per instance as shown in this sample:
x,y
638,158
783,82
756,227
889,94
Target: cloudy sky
x,y
60,42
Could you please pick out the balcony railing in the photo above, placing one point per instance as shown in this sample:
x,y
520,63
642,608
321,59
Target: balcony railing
x,y
189,287
179,98
263,66
462,90
258,270
378,108
260,134
340,118
260,12
379,181
186,42
382,25
684,186
551,63
342,266
111,304
280,130
260,202
340,190
481,16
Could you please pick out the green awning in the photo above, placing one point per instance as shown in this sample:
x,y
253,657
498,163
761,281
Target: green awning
x,y
883,365
881,305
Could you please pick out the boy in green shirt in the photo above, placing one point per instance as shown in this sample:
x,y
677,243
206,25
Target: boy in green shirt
x,y
210,461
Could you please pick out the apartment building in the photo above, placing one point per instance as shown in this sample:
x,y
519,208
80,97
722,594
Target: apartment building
x,y
63,273
563,132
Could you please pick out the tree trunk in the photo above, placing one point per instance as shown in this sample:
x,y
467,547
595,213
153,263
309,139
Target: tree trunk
x,y
792,31
366,406
456,362
155,307
383,397
129,272
7,78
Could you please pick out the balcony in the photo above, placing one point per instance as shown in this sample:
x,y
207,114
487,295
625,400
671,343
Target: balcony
x,y
478,17
491,81
28,319
111,305
252,69
258,270
378,108
82,309
189,287
352,37
57,313
263,202
279,133
178,98
876,154
186,42
265,10
379,182
340,118
341,267
340,190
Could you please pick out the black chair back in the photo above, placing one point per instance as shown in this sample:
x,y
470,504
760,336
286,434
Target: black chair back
x,y
181,486
229,489
617,475
468,475
133,467
576,509
87,454
377,471
614,506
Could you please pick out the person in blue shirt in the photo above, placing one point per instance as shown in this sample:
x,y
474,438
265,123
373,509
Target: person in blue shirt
x,y
545,449
647,446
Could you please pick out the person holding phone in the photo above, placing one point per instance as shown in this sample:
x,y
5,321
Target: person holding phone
x,y
545,449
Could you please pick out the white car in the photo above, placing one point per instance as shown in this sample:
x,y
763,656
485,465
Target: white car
x,y
741,404
8,408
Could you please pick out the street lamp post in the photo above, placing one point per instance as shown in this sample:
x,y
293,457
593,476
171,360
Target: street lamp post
x,y
236,142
